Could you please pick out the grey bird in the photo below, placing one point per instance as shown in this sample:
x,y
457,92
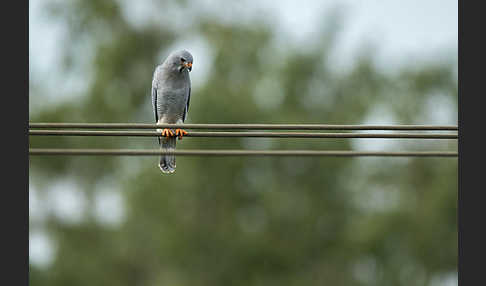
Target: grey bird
x,y
171,93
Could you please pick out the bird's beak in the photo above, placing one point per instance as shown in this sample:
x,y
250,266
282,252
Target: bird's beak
x,y
188,66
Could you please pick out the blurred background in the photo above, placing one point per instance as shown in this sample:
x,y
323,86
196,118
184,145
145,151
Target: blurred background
x,y
237,220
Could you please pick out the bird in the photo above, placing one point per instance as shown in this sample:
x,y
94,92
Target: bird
x,y
171,93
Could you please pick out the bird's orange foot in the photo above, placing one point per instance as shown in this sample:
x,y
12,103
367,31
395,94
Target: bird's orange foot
x,y
180,133
167,133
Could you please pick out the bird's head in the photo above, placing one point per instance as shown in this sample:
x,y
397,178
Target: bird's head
x,y
179,61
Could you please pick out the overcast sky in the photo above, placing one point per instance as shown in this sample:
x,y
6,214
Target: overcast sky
x,y
423,30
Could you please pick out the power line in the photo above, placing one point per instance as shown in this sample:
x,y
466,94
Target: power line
x,y
243,126
245,134
337,153
333,153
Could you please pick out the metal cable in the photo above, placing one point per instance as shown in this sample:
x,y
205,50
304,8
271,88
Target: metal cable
x,y
242,126
143,152
245,134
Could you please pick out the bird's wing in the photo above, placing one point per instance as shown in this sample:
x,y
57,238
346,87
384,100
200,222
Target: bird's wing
x,y
186,109
154,103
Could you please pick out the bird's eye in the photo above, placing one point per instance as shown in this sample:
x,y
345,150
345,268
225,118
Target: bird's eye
x,y
183,59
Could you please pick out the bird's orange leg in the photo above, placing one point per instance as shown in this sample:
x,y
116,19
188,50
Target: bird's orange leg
x,y
180,133
167,133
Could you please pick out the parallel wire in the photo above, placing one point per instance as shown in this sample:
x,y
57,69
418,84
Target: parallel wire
x,y
242,126
143,152
244,134
332,153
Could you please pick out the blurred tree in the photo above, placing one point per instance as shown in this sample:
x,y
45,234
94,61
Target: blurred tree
x,y
246,221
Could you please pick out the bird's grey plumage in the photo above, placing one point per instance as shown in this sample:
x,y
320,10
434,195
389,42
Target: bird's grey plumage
x,y
171,91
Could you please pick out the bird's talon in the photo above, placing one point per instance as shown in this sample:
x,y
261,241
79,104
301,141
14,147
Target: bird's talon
x,y
167,133
180,133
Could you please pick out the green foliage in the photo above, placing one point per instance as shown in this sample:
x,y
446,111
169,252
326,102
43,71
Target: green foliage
x,y
247,221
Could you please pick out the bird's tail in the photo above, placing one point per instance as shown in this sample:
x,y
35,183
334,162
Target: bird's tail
x,y
167,163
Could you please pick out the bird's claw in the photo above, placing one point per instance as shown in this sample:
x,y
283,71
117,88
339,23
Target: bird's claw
x,y
180,133
167,133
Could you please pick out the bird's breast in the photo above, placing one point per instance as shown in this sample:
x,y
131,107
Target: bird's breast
x,y
171,105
